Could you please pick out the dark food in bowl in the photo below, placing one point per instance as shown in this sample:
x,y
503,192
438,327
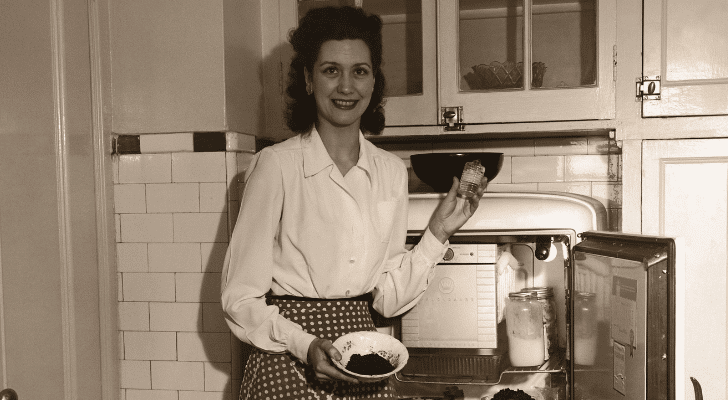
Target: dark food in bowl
x,y
508,394
369,364
437,169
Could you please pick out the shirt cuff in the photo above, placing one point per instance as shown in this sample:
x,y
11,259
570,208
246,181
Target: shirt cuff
x,y
298,343
431,247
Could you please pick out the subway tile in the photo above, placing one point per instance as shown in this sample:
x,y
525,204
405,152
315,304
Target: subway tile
x,y
202,287
145,168
243,161
504,175
610,194
119,287
131,257
213,197
130,198
199,167
587,168
146,228
513,187
238,142
166,142
175,317
134,316
213,318
115,170
517,147
174,375
135,374
238,357
213,256
537,169
200,227
560,146
120,343
601,145
173,197
149,286
190,395
117,225
203,346
174,257
231,175
566,187
233,215
614,218
135,394
217,377
150,346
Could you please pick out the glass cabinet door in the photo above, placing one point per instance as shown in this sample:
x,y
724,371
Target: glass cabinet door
x,y
409,56
565,48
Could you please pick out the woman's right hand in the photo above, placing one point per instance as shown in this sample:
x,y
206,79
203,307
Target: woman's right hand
x,y
320,354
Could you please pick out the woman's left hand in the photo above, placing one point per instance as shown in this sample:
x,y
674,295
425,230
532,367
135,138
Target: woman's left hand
x,y
454,211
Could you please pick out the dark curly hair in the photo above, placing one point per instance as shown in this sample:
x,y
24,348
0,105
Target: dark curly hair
x,y
316,27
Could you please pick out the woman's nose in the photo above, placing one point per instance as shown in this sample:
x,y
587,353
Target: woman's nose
x,y
346,84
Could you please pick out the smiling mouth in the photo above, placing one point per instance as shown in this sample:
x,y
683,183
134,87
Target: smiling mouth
x,y
344,104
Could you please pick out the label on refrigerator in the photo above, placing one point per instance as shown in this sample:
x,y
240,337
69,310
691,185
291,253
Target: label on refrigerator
x,y
620,378
624,309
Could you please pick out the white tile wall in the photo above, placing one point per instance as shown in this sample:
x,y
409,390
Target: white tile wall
x,y
172,223
175,210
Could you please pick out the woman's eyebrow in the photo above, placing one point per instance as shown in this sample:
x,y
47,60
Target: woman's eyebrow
x,y
337,64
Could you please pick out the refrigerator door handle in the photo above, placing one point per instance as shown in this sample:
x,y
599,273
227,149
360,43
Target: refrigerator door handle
x,y
698,389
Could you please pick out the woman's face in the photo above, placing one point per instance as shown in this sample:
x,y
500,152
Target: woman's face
x,y
342,81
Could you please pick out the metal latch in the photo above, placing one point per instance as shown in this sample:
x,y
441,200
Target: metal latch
x,y
648,88
452,118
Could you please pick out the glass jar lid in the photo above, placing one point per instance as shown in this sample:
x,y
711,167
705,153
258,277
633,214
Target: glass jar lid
x,y
521,295
542,292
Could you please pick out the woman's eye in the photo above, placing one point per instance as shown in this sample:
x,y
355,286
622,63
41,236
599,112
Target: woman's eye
x,y
361,71
330,70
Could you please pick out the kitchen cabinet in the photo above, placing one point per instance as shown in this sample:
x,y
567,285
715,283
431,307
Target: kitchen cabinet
x,y
185,66
685,195
436,52
685,59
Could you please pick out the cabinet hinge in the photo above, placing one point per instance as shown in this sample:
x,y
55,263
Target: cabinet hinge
x,y
648,88
614,63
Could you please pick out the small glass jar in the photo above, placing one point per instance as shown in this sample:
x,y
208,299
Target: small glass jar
x,y
524,324
470,179
585,328
545,295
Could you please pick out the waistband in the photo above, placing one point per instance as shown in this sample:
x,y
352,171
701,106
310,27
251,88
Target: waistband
x,y
364,297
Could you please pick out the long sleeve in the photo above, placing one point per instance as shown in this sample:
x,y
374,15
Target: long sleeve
x,y
248,270
405,274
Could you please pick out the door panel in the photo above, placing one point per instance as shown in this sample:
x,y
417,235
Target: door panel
x,y
686,46
685,194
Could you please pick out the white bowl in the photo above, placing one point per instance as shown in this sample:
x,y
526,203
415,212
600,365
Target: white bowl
x,y
367,342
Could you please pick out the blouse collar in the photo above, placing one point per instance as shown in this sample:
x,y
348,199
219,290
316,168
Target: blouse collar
x,y
316,157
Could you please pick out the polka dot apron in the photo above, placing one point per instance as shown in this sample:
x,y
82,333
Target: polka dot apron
x,y
283,377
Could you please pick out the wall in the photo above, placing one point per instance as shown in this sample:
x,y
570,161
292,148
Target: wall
x,y
176,199
588,165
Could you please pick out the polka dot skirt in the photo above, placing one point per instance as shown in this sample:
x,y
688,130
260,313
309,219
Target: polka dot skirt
x,y
284,377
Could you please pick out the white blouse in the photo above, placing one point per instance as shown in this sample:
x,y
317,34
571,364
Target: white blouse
x,y
306,230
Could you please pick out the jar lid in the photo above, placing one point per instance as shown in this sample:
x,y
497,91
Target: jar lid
x,y
542,292
521,295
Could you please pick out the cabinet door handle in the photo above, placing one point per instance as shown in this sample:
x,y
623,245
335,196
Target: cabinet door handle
x,y
698,389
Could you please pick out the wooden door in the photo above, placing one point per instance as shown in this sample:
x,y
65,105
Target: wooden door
x,y
57,302
686,45
685,195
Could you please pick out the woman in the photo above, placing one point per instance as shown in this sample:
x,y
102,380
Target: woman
x,y
322,223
